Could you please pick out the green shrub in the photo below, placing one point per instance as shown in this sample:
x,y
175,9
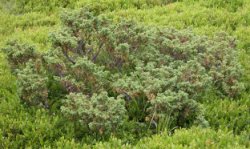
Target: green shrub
x,y
104,52
138,82
141,84
99,114
19,54
164,67
30,74
26,127
31,79
177,105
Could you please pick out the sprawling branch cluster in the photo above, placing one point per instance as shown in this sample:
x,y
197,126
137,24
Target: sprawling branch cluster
x,y
97,62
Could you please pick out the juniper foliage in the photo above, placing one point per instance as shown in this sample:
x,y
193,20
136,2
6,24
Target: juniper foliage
x,y
99,63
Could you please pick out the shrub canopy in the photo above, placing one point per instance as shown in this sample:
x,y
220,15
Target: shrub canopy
x,y
112,68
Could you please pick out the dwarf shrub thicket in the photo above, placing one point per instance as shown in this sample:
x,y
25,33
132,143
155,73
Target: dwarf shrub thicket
x,y
16,6
112,5
229,115
103,69
194,137
24,6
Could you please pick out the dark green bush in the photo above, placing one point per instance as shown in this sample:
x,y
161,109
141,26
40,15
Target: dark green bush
x,y
100,114
19,54
30,74
32,84
167,70
31,20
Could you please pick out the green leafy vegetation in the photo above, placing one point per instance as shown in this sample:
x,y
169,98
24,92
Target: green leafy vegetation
x,y
124,74
182,138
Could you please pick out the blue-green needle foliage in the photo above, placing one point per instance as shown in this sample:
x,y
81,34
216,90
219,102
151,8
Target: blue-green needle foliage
x,y
105,69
